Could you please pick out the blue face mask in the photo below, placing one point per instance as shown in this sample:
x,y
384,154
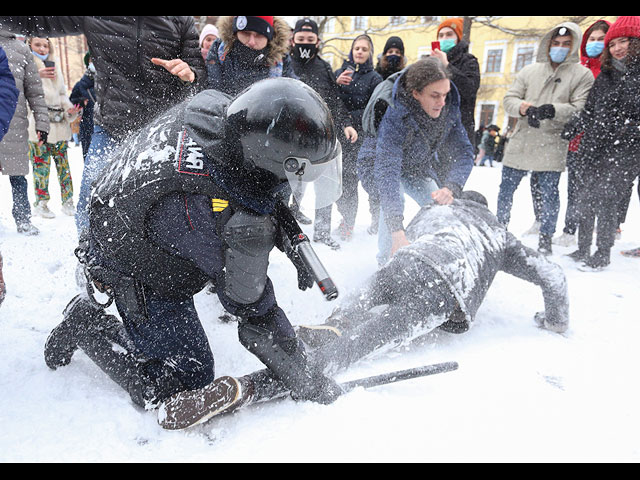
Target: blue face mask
x,y
41,57
594,49
558,54
447,44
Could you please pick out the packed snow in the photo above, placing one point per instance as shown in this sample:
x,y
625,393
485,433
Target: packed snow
x,y
520,394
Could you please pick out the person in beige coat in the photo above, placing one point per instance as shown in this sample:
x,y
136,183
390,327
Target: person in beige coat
x,y
544,96
61,114
14,149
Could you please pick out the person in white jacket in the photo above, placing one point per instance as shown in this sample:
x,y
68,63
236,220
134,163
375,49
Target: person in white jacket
x,y
61,114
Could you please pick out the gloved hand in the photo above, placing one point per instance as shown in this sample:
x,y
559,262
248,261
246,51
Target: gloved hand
x,y
43,136
543,112
305,280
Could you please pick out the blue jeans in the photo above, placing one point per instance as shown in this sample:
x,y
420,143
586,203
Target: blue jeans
x,y
550,201
95,162
485,158
420,189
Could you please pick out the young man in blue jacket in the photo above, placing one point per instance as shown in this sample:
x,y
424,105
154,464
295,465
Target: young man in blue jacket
x,y
421,149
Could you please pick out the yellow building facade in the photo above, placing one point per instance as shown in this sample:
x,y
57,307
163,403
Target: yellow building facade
x,y
502,45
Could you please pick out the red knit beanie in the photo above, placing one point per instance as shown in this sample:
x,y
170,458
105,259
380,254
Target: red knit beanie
x,y
261,25
623,27
455,24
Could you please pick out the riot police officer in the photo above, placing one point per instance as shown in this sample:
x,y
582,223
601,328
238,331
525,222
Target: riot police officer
x,y
194,198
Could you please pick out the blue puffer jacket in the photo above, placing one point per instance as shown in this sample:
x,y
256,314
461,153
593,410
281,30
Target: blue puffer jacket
x,y
8,94
411,144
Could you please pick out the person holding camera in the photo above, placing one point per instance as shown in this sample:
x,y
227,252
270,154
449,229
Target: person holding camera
x,y
61,114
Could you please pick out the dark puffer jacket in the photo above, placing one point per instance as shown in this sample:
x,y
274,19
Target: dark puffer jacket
x,y
130,89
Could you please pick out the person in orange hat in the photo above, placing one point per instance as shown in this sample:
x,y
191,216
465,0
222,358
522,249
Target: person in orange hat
x,y
463,66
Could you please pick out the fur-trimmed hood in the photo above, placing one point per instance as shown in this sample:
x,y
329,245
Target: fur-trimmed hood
x,y
278,46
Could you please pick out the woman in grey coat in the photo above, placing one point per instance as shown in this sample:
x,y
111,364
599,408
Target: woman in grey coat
x,y
14,149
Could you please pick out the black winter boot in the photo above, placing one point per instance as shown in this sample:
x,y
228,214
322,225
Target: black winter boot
x,y
599,260
580,255
288,361
63,340
544,244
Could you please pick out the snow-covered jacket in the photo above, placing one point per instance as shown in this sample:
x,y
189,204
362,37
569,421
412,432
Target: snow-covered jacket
x,y
232,66
8,94
130,89
14,149
57,100
566,88
405,147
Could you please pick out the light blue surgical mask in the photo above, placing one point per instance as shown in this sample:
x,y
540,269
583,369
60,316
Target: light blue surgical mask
x,y
558,54
41,57
447,44
594,49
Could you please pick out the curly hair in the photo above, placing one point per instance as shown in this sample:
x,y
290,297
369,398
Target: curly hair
x,y
425,72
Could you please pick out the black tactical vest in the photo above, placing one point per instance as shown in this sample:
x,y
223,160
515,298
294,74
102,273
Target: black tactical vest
x,y
160,159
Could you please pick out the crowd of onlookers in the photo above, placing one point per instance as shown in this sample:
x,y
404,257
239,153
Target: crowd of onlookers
x,y
576,106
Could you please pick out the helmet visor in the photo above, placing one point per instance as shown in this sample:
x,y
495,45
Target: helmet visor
x,y
326,178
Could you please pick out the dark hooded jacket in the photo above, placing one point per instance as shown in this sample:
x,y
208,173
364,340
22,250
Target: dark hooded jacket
x,y
130,90
8,94
465,73
232,67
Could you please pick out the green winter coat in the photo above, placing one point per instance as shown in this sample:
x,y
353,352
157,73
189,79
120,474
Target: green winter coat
x,y
566,88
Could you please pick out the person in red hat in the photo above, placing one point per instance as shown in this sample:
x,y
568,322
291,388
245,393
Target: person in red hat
x,y
248,49
610,147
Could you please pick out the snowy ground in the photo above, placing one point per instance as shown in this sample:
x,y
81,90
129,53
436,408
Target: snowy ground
x,y
520,394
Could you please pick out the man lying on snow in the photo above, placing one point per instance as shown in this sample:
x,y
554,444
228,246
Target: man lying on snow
x,y
438,281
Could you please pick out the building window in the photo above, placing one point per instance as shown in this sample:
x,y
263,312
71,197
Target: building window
x,y
494,61
359,23
524,56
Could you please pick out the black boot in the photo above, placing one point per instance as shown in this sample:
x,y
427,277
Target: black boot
x,y
580,255
104,340
599,260
288,361
544,244
63,340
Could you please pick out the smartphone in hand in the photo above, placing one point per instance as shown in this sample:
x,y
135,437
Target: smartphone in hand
x,y
49,63
435,46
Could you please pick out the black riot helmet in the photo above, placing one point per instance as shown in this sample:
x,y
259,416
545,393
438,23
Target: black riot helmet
x,y
282,126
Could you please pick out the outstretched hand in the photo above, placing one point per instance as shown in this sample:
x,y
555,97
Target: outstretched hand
x,y
177,67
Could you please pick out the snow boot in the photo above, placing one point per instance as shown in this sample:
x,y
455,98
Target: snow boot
x,y
41,209
63,340
565,240
580,255
288,362
326,239
534,230
598,261
299,216
544,244
68,208
27,228
103,339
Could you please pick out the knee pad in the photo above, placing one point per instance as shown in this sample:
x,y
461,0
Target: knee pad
x,y
249,238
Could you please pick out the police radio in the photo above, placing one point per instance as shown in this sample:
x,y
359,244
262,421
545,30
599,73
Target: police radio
x,y
300,245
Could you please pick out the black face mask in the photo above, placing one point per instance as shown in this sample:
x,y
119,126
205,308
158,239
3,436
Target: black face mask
x,y
250,57
305,51
394,61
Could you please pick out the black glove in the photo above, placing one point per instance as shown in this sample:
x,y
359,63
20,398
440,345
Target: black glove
x,y
305,280
43,136
543,112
